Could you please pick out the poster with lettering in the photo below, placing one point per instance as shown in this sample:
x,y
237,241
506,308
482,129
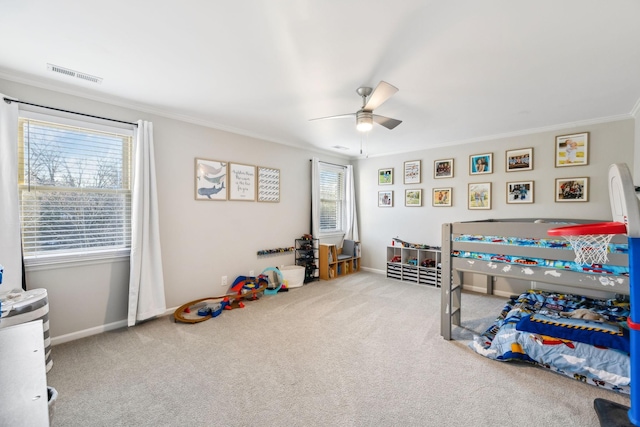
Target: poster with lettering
x,y
242,182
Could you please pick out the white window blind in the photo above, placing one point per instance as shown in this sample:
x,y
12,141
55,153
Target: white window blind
x,y
332,198
75,189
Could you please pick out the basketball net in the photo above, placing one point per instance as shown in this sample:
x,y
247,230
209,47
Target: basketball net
x,y
590,248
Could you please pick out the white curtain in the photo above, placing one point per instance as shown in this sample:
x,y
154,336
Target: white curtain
x,y
10,246
315,197
351,229
146,282
351,215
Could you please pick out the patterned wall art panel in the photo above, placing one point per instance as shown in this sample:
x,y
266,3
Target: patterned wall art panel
x,y
268,184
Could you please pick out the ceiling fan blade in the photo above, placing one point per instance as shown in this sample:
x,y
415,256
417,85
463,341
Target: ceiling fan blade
x,y
341,116
387,122
380,94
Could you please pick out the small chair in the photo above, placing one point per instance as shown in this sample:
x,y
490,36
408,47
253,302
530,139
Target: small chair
x,y
348,249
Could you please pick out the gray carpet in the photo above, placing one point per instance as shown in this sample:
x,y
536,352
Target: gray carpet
x,y
362,350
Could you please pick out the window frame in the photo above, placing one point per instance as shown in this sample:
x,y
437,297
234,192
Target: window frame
x,y
341,218
82,256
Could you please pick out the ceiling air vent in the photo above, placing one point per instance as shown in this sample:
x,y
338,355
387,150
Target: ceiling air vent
x,y
72,73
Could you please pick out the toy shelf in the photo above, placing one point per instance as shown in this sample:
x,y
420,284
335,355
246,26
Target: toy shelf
x,y
415,265
331,267
307,256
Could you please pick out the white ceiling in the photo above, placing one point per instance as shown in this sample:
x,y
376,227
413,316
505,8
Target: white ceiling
x,y
467,70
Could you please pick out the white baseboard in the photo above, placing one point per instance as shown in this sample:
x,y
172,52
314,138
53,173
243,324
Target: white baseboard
x,y
88,332
373,270
97,330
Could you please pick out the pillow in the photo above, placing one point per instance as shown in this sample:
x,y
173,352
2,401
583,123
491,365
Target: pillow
x,y
599,334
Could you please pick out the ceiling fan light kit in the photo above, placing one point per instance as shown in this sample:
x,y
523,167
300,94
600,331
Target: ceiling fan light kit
x,y
364,121
371,99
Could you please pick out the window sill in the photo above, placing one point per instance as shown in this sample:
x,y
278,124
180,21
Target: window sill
x,y
332,234
65,261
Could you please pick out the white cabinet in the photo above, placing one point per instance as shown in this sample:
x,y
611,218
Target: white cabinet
x,y
23,376
416,265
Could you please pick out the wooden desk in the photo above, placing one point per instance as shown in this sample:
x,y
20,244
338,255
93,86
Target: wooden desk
x,y
23,377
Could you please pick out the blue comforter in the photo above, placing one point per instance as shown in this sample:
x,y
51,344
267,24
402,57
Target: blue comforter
x,y
537,327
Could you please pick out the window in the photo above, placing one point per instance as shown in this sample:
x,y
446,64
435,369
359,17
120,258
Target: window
x,y
332,198
75,189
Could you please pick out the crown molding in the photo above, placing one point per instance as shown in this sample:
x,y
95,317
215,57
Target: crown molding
x,y
633,114
531,131
118,102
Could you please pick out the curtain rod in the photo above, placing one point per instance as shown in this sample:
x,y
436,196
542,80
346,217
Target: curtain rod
x,y
328,163
9,101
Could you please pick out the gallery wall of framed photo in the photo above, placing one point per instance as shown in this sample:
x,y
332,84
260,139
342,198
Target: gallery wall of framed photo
x,y
570,150
525,175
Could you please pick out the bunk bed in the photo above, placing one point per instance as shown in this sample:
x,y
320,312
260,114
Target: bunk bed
x,y
522,249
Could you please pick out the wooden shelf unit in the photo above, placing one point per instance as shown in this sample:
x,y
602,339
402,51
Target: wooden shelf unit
x,y
331,267
416,265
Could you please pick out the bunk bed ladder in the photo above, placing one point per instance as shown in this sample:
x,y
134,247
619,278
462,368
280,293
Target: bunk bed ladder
x,y
451,291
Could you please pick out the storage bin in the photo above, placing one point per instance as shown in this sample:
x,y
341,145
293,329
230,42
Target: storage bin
x,y
293,274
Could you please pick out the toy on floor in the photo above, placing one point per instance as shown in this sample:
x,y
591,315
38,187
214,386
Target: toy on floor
x,y
625,210
206,308
242,289
249,287
275,286
196,311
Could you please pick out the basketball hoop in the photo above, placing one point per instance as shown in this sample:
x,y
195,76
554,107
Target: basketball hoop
x,y
590,242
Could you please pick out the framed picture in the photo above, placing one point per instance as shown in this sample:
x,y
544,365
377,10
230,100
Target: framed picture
x,y
443,168
413,197
481,163
442,196
412,172
572,189
520,192
519,160
268,184
211,179
385,199
385,176
572,150
479,196
242,182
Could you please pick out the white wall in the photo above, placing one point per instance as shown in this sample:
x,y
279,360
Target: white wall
x,y
201,240
611,142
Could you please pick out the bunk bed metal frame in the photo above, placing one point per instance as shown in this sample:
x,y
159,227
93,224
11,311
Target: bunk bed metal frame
x,y
625,209
453,268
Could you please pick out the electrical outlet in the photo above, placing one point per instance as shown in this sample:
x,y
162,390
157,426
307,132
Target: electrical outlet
x,y
224,280
252,273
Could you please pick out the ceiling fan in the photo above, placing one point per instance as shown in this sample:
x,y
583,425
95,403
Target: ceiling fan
x,y
371,99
